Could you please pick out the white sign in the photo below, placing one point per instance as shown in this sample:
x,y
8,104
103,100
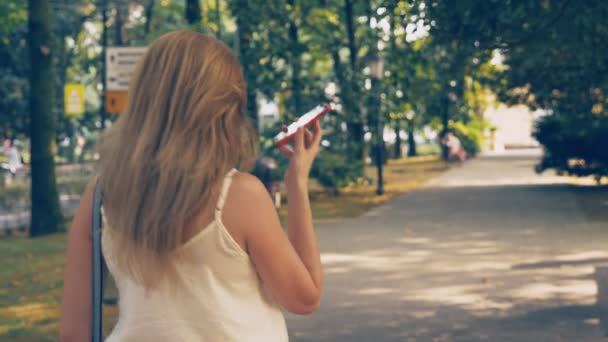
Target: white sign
x,y
120,64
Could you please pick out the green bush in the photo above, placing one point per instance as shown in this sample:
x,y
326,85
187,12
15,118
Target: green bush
x,y
573,144
387,152
331,168
334,171
471,134
15,196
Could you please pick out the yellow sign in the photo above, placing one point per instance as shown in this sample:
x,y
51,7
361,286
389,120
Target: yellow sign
x,y
73,94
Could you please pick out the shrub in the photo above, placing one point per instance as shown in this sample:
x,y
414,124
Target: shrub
x,y
471,134
331,169
334,171
574,144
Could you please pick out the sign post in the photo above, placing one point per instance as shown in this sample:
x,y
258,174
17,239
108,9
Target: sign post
x,y
74,101
120,65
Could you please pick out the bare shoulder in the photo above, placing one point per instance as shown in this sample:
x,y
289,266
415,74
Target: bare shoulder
x,y
248,207
247,184
247,194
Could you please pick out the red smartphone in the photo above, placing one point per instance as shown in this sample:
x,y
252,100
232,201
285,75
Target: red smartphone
x,y
304,120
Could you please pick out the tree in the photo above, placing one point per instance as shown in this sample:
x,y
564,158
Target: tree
x,y
67,27
352,87
193,12
333,28
565,75
149,12
295,55
554,60
46,213
246,53
218,19
14,68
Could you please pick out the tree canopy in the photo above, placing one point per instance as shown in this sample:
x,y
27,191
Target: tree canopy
x,y
441,60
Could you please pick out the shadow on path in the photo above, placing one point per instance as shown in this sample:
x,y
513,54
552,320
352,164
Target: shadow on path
x,y
457,262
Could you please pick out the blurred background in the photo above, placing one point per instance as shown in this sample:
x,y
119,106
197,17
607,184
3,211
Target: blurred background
x,y
463,105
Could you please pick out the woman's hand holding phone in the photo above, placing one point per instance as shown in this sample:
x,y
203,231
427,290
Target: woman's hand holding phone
x,y
302,155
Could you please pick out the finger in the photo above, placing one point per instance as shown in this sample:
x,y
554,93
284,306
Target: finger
x,y
308,137
284,128
286,150
318,133
299,140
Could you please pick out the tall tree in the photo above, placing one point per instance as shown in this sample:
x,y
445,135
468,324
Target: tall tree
x,y
46,212
193,12
218,18
246,51
393,82
104,44
148,13
120,23
67,28
295,49
353,106
13,69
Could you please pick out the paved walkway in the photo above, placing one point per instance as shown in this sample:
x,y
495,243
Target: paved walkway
x,y
486,252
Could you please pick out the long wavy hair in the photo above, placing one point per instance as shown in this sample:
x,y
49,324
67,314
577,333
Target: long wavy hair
x,y
161,163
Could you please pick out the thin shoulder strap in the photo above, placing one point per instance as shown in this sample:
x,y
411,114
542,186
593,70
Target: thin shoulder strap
x,y
225,187
97,265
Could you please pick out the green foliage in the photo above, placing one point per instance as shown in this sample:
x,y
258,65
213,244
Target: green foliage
x,y
334,171
471,134
13,68
554,58
268,150
573,144
291,50
565,73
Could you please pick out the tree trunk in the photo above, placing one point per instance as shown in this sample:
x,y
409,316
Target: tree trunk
x,y
122,15
104,45
149,12
445,117
350,32
67,121
296,65
411,142
244,49
355,143
397,139
46,213
218,17
193,12
355,126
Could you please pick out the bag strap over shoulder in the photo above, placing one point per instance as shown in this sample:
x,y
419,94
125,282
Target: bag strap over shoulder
x,y
97,265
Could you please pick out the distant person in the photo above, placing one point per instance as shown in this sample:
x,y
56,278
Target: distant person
x,y
456,151
195,246
15,162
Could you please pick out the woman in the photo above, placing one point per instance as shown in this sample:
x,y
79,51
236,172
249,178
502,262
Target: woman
x,y
195,247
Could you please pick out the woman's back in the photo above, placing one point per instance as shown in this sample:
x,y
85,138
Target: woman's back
x,y
211,292
162,165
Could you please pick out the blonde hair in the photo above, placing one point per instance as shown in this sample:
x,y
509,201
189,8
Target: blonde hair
x,y
183,128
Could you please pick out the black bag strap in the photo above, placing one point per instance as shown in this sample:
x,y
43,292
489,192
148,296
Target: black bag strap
x,y
97,266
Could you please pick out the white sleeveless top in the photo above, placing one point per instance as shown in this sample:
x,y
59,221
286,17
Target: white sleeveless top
x,y
215,295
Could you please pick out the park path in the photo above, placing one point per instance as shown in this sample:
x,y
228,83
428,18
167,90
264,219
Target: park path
x,y
488,251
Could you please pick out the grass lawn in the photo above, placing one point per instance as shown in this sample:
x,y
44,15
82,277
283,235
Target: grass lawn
x,y
399,176
31,270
